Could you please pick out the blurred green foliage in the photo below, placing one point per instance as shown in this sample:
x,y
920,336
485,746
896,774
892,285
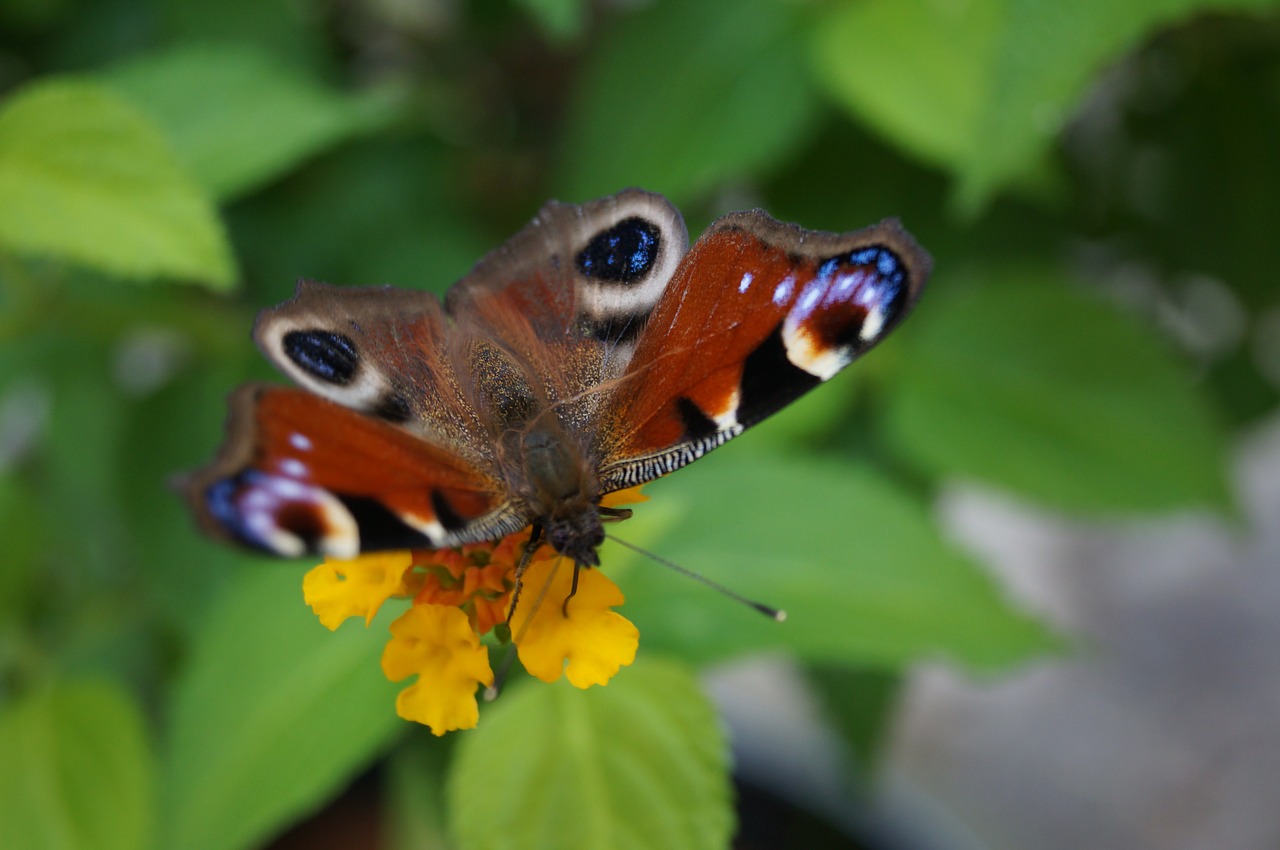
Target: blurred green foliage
x,y
1097,184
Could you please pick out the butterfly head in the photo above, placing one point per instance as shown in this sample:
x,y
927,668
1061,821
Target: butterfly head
x,y
576,532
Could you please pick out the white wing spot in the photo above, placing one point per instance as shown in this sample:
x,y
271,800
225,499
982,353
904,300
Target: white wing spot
x,y
872,325
809,298
293,467
341,537
782,293
845,285
811,355
727,420
432,528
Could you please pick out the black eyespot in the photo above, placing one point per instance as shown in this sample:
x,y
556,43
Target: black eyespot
x,y
622,254
326,355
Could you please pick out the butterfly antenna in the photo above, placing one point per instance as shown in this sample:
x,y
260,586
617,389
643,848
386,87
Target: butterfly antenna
x,y
775,614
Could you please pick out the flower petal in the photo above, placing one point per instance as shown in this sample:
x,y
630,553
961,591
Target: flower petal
x,y
438,644
627,496
593,640
336,589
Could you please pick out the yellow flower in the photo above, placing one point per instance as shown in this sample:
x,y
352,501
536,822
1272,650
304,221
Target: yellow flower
x,y
336,590
477,578
594,640
438,644
629,496
461,594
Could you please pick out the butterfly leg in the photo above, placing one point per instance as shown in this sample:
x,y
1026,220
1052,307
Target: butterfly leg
x,y
573,591
535,540
613,514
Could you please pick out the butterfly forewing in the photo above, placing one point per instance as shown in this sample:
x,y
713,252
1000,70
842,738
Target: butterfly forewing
x,y
758,313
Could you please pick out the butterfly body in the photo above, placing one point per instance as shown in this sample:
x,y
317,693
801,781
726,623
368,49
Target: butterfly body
x,y
593,351
558,488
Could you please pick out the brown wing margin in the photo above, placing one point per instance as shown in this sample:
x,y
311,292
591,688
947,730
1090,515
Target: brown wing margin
x,y
758,313
299,474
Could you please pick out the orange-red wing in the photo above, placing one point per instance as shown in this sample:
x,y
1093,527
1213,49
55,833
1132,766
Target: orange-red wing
x,y
758,313
300,474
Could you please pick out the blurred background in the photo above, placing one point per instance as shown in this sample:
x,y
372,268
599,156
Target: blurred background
x,y
1029,546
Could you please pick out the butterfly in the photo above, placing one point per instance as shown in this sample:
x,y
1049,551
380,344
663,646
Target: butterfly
x,y
592,352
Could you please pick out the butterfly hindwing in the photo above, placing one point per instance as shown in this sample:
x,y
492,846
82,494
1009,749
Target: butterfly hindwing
x,y
558,308
758,313
383,351
593,272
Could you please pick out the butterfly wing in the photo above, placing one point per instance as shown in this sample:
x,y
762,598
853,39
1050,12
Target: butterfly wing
x,y
407,434
575,273
556,310
553,312
758,313
388,353
301,474
592,326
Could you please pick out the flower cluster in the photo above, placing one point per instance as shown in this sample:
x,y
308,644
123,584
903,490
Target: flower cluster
x,y
459,596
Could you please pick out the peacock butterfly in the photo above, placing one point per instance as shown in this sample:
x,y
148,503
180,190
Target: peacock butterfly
x,y
594,351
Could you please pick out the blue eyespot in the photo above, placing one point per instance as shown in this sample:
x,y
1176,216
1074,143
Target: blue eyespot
x,y
329,356
622,254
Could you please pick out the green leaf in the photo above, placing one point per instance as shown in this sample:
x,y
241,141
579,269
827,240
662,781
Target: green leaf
x,y
287,31
861,705
810,419
23,530
864,576
397,225
87,178
981,86
915,70
82,468
682,96
1033,386
172,430
641,764
560,19
415,792
239,117
272,717
77,772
